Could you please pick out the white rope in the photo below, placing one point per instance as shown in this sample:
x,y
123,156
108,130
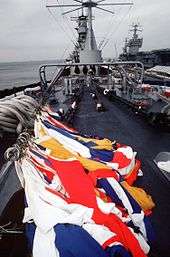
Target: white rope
x,y
16,112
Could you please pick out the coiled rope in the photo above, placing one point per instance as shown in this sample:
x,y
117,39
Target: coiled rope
x,y
17,112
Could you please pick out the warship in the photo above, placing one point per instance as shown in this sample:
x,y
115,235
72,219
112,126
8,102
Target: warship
x,y
132,52
156,62
81,106
151,97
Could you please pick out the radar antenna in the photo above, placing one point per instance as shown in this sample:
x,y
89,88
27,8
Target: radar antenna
x,y
135,29
100,4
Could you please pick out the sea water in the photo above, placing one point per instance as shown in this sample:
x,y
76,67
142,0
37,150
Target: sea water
x,y
15,74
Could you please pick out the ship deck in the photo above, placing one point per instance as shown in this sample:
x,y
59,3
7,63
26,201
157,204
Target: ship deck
x,y
121,124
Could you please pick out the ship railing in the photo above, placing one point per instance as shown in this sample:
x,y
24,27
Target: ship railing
x,y
91,70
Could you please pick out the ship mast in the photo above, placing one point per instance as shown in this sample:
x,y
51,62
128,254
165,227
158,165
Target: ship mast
x,y
90,27
135,43
90,53
135,30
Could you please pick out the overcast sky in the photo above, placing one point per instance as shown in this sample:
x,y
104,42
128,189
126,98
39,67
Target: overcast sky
x,y
29,32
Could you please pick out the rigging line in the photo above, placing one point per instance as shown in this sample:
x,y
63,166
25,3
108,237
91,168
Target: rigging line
x,y
100,1
108,33
68,24
64,28
72,10
65,18
105,35
67,48
105,38
71,29
61,27
64,52
105,10
109,38
78,1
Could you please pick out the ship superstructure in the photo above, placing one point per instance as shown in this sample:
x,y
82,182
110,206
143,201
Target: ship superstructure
x,y
133,44
87,50
132,52
81,29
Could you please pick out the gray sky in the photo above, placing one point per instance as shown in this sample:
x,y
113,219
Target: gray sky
x,y
29,32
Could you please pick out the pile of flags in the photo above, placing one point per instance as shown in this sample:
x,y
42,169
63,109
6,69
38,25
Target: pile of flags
x,y
79,197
